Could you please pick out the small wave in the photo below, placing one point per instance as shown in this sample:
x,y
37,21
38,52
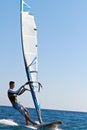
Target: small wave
x,y
8,122
56,129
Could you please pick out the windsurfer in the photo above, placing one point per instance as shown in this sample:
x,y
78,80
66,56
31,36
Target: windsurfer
x,y
12,95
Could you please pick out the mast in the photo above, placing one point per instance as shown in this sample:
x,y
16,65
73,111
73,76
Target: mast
x,y
29,48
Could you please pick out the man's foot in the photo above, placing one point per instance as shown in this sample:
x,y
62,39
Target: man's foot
x,y
34,124
27,122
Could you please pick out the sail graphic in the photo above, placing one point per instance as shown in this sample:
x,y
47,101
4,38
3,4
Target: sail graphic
x,y
29,47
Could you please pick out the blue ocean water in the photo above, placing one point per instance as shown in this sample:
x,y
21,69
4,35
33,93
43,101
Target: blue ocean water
x,y
70,120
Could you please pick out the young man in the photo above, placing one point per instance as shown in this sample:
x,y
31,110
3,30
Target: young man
x,y
12,95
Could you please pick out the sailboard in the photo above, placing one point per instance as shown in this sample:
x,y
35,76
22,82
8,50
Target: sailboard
x,y
29,48
49,126
46,126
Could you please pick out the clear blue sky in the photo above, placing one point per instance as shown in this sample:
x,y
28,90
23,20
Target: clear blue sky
x,y
62,50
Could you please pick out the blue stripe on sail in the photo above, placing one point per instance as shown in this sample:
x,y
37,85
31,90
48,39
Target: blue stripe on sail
x,y
26,8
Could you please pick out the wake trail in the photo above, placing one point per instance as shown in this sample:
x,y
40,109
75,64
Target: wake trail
x,y
8,122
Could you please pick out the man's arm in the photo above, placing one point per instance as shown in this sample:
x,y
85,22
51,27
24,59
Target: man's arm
x,y
18,91
21,91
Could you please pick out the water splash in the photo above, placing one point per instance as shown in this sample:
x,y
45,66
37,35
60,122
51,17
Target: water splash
x,y
8,122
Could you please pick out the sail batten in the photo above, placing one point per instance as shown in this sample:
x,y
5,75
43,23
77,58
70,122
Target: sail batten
x,y
29,47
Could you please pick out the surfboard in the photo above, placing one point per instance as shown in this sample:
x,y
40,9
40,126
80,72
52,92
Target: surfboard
x,y
50,126
46,126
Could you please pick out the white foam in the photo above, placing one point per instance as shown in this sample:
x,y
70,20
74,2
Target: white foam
x,y
8,122
31,127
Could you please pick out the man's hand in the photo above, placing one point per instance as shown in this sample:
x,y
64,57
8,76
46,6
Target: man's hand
x,y
22,86
26,89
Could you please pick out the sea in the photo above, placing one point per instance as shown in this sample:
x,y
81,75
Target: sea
x,y
70,120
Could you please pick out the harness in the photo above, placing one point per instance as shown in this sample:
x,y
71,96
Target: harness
x,y
12,97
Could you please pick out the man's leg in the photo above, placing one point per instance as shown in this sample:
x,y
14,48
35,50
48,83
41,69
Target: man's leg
x,y
24,112
28,119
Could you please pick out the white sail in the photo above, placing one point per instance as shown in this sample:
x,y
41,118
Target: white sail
x,y
29,47
29,37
